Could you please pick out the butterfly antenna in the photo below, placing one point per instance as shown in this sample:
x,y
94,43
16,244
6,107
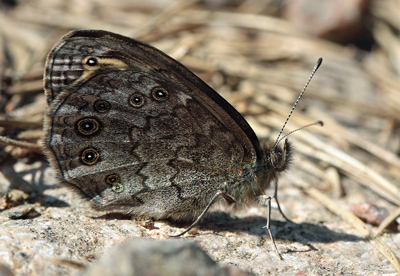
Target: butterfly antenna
x,y
278,139
321,123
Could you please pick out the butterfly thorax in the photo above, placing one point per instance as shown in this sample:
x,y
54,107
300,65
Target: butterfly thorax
x,y
253,180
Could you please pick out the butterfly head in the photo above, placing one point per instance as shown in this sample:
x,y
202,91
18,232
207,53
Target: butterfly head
x,y
278,157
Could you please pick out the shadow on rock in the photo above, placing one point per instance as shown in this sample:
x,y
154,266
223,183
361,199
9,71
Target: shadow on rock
x,y
282,230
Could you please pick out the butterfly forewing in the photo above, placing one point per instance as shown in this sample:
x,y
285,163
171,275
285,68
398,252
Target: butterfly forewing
x,y
129,127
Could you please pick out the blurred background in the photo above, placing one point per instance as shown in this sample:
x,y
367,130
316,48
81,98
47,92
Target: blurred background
x,y
258,55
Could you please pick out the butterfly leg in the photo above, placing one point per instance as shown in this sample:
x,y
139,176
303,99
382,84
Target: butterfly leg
x,y
268,201
277,202
227,197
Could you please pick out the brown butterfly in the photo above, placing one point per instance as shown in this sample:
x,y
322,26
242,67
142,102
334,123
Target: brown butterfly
x,y
132,129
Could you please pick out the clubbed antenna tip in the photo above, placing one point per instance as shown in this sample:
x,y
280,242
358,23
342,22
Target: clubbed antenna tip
x,y
278,139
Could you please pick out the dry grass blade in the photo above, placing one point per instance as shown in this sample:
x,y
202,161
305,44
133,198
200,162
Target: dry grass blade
x,y
351,166
387,221
26,87
19,124
332,128
162,17
359,225
325,152
12,142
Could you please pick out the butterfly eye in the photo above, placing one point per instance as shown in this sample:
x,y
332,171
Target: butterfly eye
x,y
136,100
102,106
90,156
91,61
160,94
87,126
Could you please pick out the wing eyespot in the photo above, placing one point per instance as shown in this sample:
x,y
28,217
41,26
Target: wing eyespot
x,y
91,61
90,156
87,126
136,100
160,94
102,106
114,181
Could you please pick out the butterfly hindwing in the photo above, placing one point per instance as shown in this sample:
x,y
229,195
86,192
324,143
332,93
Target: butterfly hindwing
x,y
131,128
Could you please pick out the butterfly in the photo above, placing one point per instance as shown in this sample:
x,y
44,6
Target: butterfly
x,y
132,129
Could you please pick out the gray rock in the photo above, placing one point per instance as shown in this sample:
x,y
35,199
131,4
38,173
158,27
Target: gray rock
x,y
150,257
